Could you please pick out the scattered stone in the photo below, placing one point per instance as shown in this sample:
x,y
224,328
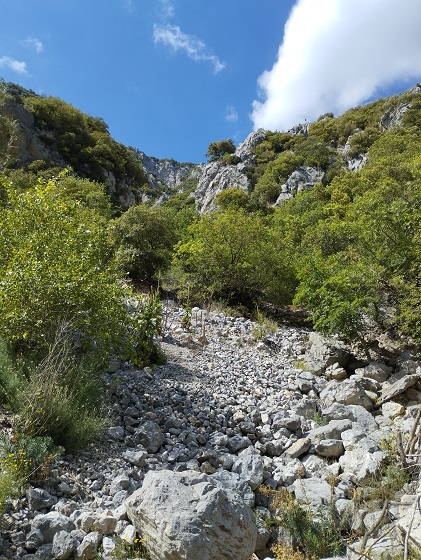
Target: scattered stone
x,y
298,448
349,391
331,448
400,387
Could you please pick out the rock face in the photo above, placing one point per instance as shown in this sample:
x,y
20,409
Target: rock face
x,y
394,116
186,516
303,178
216,178
24,144
167,172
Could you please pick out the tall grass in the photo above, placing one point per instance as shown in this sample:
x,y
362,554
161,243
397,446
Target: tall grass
x,y
58,397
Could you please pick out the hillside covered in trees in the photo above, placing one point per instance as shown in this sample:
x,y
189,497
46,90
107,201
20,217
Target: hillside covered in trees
x,y
347,248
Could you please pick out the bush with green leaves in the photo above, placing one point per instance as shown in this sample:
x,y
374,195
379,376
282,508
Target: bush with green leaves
x,y
143,238
23,458
84,141
55,269
308,535
217,150
236,257
60,397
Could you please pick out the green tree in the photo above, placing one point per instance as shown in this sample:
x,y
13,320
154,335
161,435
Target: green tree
x,y
217,150
236,257
54,270
143,238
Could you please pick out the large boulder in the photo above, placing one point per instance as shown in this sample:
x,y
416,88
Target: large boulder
x,y
348,392
249,465
186,516
323,353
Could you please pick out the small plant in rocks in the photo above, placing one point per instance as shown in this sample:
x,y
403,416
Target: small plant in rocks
x,y
310,536
135,550
264,326
23,458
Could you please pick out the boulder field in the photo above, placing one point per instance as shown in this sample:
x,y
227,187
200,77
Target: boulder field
x,y
192,444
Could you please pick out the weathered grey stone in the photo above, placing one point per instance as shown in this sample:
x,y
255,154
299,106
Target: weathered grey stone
x,y
217,177
411,523
128,534
312,491
375,370
88,548
39,498
234,485
336,372
115,433
400,387
298,448
148,434
392,410
105,523
393,116
249,465
84,520
291,423
237,443
383,548
121,482
34,539
301,179
51,523
333,430
64,545
357,414
108,546
314,466
185,515
361,463
167,172
346,392
324,352
289,470
332,448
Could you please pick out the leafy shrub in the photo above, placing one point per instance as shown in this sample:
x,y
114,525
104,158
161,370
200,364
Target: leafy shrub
x,y
233,256
268,187
23,458
143,238
312,536
29,456
84,141
217,150
54,269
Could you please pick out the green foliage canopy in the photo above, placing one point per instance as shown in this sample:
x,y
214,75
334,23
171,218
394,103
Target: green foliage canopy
x,y
216,150
143,238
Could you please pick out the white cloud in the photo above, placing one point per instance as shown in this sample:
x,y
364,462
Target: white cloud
x,y
231,114
33,43
334,55
15,65
172,36
167,8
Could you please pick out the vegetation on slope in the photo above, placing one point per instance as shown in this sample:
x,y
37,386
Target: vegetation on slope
x,y
348,250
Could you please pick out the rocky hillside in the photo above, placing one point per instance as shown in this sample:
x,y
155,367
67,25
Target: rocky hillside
x,y
37,132
198,449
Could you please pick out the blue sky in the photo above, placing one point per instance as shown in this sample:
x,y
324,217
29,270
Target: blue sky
x,y
171,76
